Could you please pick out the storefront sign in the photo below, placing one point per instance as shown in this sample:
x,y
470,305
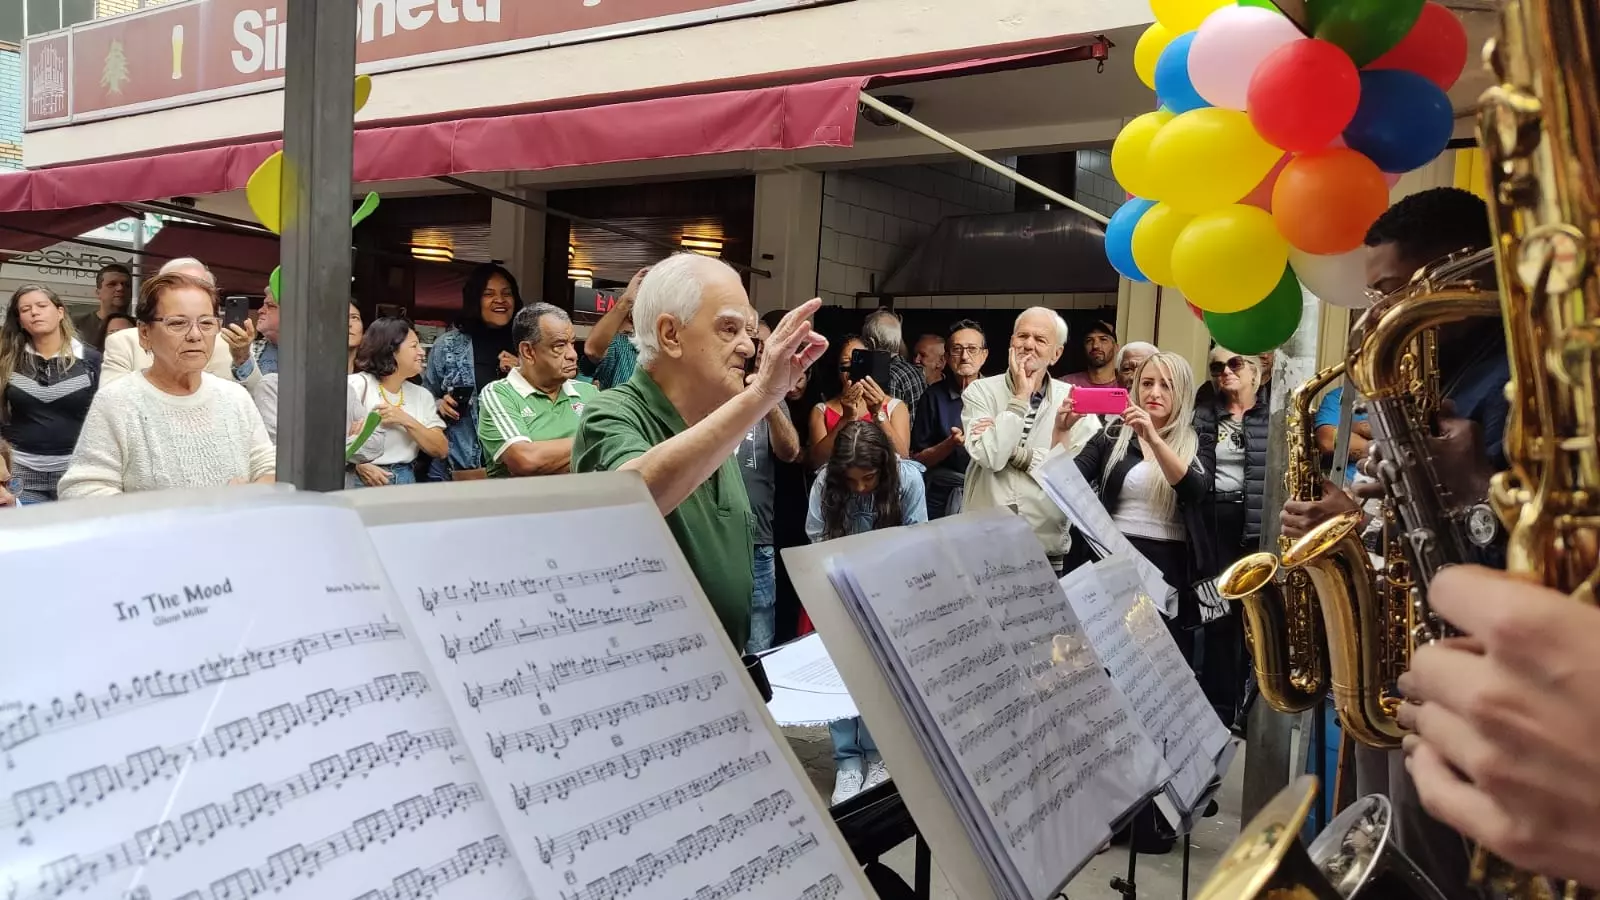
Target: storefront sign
x,y
590,300
191,52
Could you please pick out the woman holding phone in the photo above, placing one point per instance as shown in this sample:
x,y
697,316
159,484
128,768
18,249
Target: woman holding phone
x,y
856,400
389,357
478,351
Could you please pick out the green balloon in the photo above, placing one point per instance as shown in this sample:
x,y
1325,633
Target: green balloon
x,y
1365,29
1264,326
1261,4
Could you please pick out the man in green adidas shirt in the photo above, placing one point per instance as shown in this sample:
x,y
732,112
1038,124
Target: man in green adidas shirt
x,y
527,419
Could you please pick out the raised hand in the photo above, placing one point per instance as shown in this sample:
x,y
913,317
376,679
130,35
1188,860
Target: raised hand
x,y
791,350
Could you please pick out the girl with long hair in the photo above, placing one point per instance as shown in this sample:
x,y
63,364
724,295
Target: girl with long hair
x,y
865,486
477,352
47,380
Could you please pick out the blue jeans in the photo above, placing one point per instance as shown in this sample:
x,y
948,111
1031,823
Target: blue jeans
x,y
851,739
764,600
399,473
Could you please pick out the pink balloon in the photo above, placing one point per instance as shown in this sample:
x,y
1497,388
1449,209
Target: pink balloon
x,y
1261,197
1229,46
1391,179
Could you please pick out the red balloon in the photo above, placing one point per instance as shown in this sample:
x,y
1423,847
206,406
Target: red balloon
x,y
1304,94
1198,312
1261,197
1435,48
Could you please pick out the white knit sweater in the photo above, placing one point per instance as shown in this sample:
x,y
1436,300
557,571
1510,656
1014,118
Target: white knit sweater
x,y
139,438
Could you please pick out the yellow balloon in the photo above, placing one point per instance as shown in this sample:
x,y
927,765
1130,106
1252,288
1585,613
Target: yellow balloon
x,y
1130,154
1209,158
363,90
1229,259
1185,15
1153,237
264,191
1145,53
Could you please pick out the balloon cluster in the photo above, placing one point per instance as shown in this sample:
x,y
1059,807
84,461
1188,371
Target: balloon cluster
x,y
1273,152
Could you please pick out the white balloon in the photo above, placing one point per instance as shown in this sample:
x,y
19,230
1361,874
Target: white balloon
x,y
1340,279
1229,46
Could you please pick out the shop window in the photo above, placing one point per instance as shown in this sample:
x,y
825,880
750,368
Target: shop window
x,y
11,23
43,15
75,11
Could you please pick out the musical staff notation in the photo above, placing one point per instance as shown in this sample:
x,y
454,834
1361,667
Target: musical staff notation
x,y
757,870
826,889
651,866
1016,709
80,790
539,681
962,669
904,625
564,622
84,707
470,860
627,765
301,861
555,736
204,823
571,843
1051,724
980,696
957,636
488,591
1016,835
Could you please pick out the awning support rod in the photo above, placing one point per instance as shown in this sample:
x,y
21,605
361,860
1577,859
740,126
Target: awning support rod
x,y
955,145
581,220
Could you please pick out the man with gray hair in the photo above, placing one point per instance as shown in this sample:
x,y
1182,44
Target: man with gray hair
x,y
679,420
882,331
1012,426
1130,358
124,353
526,420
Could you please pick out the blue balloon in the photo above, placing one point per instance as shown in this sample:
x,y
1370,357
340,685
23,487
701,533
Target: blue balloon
x,y
1119,237
1173,84
1404,120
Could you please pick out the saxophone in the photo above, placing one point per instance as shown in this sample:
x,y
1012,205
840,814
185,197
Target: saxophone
x,y
1282,626
1540,131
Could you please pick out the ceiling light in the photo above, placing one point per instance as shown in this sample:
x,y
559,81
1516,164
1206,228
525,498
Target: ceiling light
x,y
577,274
704,245
433,253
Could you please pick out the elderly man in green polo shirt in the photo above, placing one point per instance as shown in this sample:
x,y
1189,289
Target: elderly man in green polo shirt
x,y
679,420
526,420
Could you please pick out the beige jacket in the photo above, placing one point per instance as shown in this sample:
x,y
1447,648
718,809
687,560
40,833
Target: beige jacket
x,y
124,356
1000,475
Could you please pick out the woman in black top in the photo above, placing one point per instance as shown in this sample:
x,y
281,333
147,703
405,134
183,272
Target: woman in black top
x,y
47,379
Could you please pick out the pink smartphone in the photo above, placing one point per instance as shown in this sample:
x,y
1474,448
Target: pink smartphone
x,y
1099,401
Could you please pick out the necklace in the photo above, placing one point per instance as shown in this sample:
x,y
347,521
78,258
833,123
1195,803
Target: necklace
x,y
398,400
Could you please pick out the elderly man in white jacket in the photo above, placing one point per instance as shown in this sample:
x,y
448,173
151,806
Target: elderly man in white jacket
x,y
1011,427
124,356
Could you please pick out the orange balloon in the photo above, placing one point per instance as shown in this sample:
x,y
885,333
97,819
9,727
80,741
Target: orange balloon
x,y
1324,202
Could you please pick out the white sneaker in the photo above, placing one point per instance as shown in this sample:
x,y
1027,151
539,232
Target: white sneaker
x,y
847,781
877,771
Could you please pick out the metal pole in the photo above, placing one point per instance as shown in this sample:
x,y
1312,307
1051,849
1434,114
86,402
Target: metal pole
x,y
137,281
318,137
953,144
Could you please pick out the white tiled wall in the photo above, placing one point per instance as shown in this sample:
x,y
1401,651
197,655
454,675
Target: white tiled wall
x,y
1008,301
873,218
1097,188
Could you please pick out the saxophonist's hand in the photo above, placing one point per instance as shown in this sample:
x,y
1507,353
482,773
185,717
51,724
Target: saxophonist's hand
x,y
1301,516
1506,746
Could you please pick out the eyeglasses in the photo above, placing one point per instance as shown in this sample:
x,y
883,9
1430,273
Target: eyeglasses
x,y
965,350
1235,365
180,325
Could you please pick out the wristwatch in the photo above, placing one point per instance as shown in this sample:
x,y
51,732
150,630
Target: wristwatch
x,y
1483,526
882,416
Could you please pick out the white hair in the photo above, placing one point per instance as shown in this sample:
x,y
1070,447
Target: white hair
x,y
674,288
1141,347
882,332
1061,324
184,262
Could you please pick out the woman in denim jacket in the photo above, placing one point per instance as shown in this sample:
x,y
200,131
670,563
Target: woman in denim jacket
x,y
479,350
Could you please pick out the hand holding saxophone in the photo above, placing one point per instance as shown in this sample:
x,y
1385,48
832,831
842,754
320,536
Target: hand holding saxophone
x,y
1506,742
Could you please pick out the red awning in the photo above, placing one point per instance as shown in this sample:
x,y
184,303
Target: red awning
x,y
26,232
240,262
791,117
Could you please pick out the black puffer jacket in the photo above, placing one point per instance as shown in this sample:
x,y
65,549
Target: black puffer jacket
x,y
1256,428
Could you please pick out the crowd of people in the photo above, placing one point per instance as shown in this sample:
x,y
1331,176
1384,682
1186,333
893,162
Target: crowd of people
x,y
748,445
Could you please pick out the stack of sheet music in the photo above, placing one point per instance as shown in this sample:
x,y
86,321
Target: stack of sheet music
x,y
1036,749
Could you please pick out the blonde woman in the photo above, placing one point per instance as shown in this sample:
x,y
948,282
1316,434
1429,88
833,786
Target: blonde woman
x,y
47,380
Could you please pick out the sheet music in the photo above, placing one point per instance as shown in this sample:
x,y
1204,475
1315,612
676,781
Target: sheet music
x,y
806,687
183,718
618,739
1067,487
1139,652
1048,748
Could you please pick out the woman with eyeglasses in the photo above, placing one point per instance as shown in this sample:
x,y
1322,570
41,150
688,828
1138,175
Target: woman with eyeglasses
x,y
172,425
856,401
47,380
1233,447
389,357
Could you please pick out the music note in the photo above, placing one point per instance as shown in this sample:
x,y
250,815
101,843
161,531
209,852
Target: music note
x,y
540,680
490,591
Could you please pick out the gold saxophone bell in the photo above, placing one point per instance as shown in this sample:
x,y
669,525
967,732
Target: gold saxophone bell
x,y
1286,683
1355,617
1354,858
